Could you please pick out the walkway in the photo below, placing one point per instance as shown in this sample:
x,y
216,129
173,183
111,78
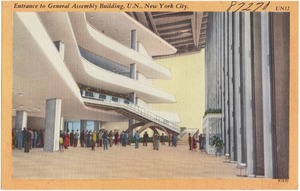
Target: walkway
x,y
120,162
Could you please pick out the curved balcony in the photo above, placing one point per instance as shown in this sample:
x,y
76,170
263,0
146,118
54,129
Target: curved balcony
x,y
89,74
90,38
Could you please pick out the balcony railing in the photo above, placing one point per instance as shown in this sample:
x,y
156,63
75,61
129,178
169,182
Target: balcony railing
x,y
128,105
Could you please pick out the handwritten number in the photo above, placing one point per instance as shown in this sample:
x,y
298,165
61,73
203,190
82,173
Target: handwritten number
x,y
233,3
249,7
260,4
265,7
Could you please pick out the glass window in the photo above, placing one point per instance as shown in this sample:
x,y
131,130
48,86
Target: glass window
x,y
115,99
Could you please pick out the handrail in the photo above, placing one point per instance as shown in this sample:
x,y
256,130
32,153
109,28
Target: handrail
x,y
130,106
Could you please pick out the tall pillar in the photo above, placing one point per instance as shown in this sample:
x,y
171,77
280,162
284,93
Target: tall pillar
x,y
231,89
83,125
21,119
248,119
258,106
281,80
223,79
237,85
52,124
226,85
266,87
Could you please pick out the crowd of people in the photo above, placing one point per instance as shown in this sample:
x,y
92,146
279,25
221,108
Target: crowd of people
x,y
92,139
193,142
105,139
30,138
27,138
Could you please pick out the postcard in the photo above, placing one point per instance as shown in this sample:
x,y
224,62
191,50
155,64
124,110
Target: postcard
x,y
149,95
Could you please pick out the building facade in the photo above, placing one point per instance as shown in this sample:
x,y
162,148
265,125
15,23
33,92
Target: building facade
x,y
247,81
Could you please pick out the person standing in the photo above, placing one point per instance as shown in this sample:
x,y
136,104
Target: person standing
x,y
121,137
72,138
157,141
61,142
94,139
35,137
14,138
105,141
100,138
145,139
20,139
124,139
116,138
76,137
190,141
31,139
66,140
175,140
82,138
110,138
194,143
154,141
200,142
162,139
88,139
169,139
27,140
136,138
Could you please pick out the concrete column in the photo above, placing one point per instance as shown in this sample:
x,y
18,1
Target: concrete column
x,y
97,125
21,119
248,119
217,63
258,106
237,85
281,101
133,40
231,89
82,125
222,84
133,71
226,85
266,87
52,124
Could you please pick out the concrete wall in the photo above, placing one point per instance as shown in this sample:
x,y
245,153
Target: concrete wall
x,y
187,84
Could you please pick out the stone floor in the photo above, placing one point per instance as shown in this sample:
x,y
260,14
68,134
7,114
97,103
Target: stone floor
x,y
120,162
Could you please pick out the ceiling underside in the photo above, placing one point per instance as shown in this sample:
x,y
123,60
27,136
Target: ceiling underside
x,y
186,31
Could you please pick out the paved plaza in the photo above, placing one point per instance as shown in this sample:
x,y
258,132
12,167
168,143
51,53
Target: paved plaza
x,y
120,162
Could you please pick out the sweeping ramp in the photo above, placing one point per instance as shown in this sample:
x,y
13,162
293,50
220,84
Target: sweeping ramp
x,y
128,109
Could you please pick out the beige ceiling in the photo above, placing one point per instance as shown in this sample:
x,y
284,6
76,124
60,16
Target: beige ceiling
x,y
186,31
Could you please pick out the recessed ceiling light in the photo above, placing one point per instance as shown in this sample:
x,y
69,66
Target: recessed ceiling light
x,y
21,106
20,94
